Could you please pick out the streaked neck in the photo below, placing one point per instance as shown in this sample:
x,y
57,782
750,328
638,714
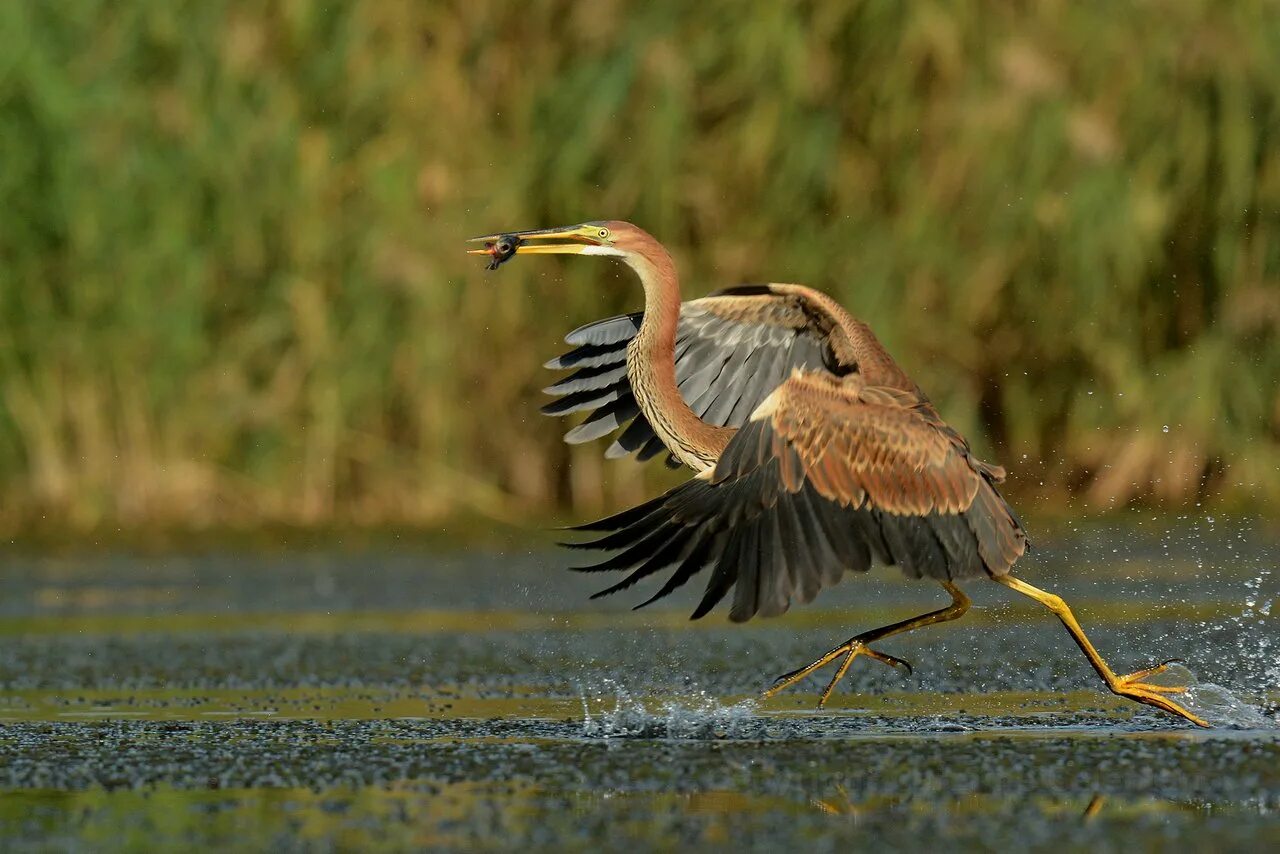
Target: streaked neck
x,y
651,366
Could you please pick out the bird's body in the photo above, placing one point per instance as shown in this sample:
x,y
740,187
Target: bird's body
x,y
807,423
814,454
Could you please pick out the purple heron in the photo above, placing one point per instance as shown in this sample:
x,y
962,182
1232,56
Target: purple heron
x,y
814,454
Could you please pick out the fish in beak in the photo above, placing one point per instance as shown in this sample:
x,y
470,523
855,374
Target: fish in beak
x,y
570,240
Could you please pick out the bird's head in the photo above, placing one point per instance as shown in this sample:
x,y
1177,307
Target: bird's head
x,y
606,237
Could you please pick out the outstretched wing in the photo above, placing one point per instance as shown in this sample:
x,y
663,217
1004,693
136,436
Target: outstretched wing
x,y
828,475
732,349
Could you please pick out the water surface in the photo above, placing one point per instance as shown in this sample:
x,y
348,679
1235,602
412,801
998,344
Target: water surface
x,y
395,698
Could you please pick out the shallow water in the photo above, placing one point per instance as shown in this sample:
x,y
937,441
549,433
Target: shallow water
x,y
390,700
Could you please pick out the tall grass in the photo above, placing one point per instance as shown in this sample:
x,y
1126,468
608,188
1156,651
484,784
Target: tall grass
x,y
232,287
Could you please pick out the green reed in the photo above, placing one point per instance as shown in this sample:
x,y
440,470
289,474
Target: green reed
x,y
232,287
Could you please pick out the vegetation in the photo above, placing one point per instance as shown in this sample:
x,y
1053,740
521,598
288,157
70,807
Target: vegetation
x,y
232,287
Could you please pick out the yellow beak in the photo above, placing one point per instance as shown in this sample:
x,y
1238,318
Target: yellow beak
x,y
575,238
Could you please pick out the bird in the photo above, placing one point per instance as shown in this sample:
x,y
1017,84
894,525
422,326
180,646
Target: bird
x,y
814,455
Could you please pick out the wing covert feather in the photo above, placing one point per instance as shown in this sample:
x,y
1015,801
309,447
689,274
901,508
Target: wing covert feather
x,y
732,349
828,476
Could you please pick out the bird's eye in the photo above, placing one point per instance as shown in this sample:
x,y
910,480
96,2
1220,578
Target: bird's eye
x,y
604,232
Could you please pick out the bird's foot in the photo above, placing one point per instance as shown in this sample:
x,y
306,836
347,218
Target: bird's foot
x,y
1138,677
850,650
1133,687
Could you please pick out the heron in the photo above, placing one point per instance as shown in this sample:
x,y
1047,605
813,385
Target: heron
x,y
814,455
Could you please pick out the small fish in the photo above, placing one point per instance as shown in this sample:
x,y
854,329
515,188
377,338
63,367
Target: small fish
x,y
502,250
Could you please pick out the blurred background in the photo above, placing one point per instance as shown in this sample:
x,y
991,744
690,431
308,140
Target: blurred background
x,y
233,291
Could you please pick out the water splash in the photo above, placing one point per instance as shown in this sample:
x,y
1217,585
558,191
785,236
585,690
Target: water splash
x,y
1219,705
1258,602
699,716
1223,708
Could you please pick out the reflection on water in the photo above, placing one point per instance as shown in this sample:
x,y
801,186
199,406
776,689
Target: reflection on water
x,y
468,815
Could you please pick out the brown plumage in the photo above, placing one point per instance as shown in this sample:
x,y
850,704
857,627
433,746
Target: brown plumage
x,y
815,454
828,457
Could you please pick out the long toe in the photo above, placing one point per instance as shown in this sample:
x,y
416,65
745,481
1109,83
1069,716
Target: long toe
x,y
885,658
786,678
1164,689
1154,670
851,649
1145,695
1138,679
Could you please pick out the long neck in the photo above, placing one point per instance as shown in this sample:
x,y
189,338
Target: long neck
x,y
651,365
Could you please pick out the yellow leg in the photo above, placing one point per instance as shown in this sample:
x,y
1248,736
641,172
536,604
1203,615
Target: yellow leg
x,y
1130,686
858,645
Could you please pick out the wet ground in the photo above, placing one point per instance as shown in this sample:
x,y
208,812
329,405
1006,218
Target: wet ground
x,y
397,698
